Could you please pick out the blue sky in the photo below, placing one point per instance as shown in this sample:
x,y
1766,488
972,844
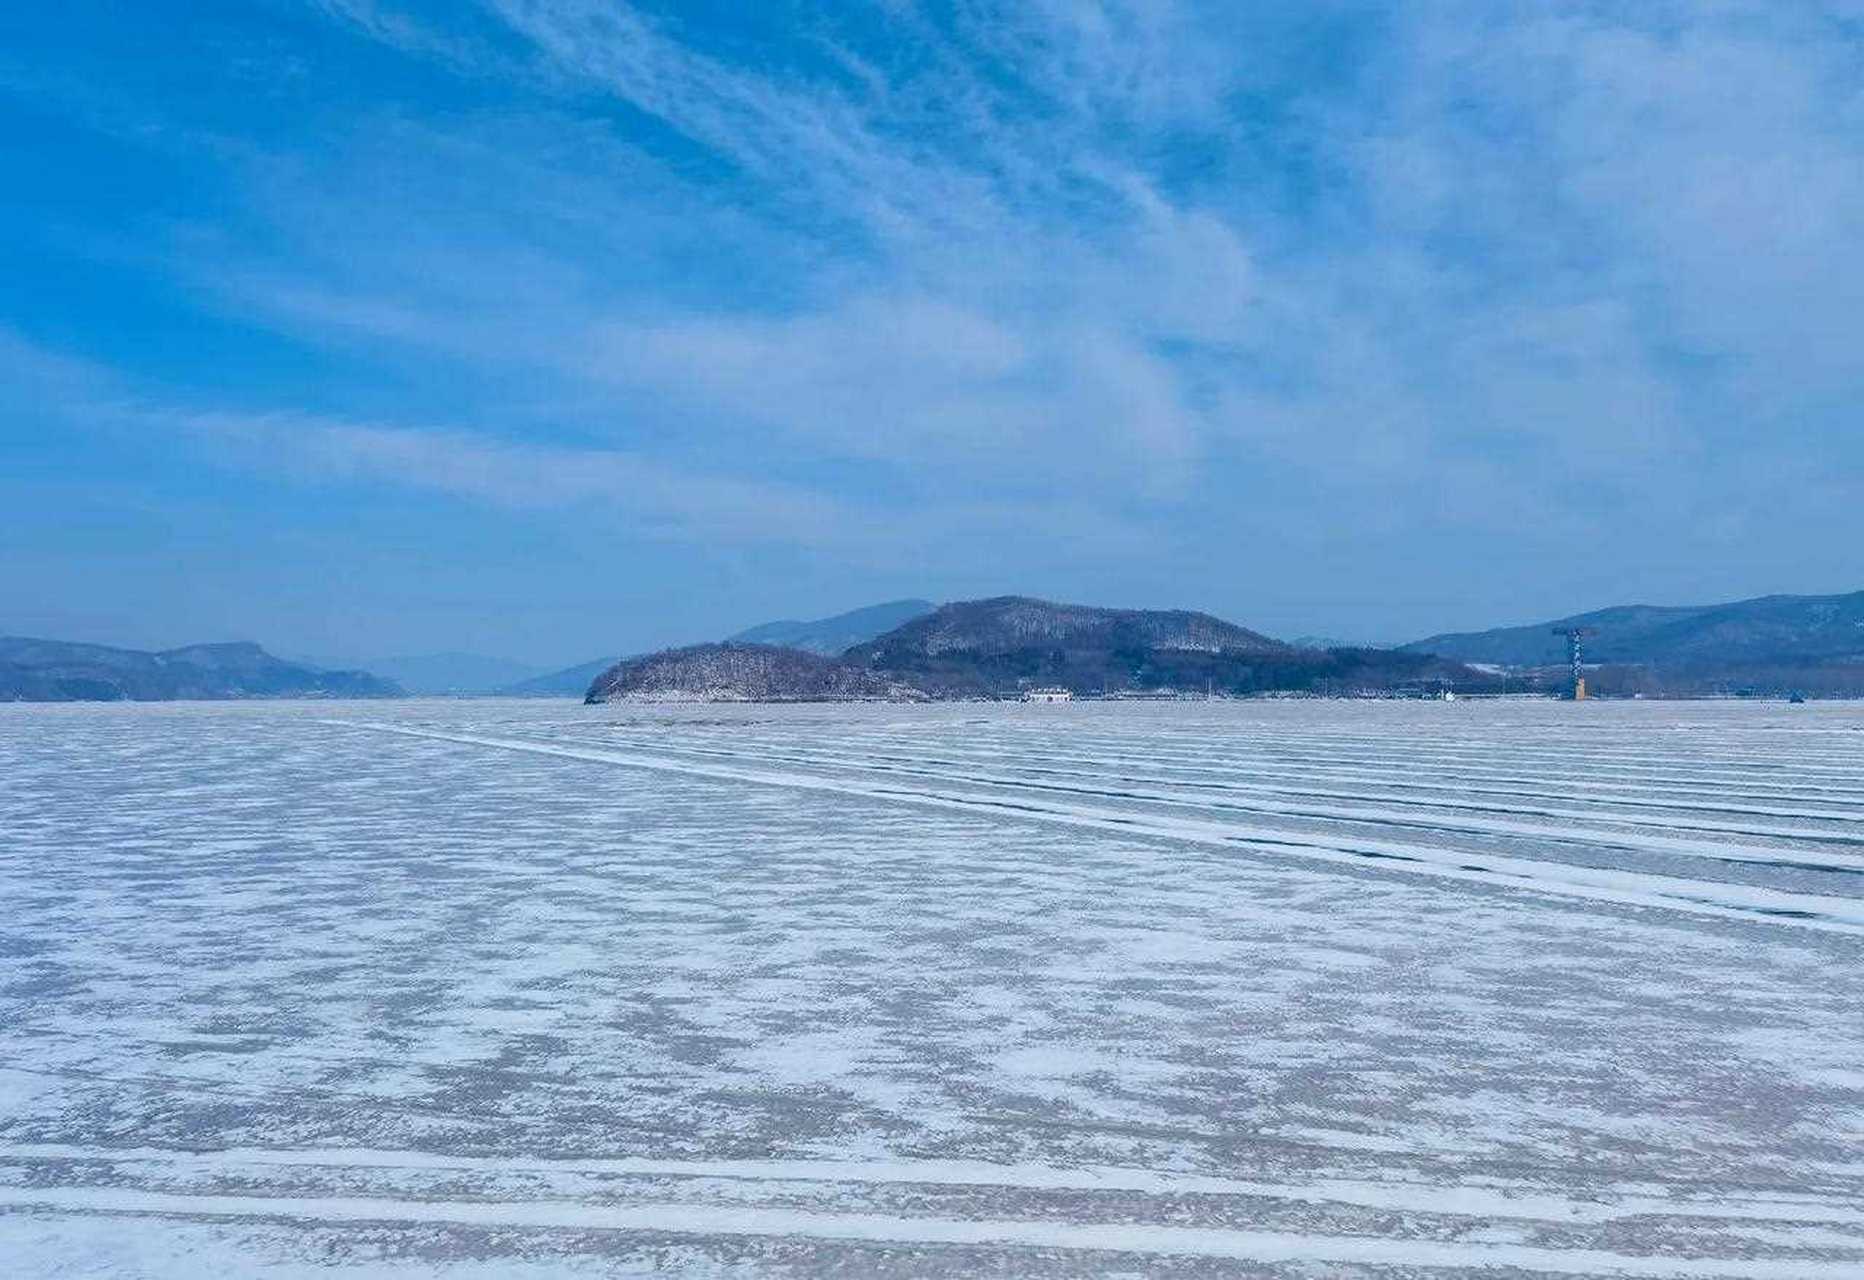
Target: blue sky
x,y
554,328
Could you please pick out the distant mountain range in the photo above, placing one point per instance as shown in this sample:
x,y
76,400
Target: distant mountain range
x,y
477,675
832,636
734,672
571,682
1768,630
58,671
460,674
998,647
992,648
1770,646
1336,642
825,637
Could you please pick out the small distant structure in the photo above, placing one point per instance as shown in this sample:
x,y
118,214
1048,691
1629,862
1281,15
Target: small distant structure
x,y
1573,636
1049,693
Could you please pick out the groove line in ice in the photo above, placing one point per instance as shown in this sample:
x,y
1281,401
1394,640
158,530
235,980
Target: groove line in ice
x,y
1626,888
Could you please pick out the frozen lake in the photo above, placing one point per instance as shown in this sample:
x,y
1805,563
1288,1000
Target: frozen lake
x,y
487,989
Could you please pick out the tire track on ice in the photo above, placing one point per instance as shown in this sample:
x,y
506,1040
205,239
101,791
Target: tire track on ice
x,y
1488,1198
1416,814
1750,904
1453,790
1423,769
1125,1238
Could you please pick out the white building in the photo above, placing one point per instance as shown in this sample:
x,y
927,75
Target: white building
x,y
1051,694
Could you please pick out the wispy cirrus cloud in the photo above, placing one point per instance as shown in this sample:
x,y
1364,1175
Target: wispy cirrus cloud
x,y
1477,165
972,230
1344,285
658,501
662,500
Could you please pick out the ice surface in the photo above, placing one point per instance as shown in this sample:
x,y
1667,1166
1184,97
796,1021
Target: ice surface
x,y
508,988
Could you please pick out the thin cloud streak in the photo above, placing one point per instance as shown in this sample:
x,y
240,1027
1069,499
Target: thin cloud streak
x,y
1335,286
1171,275
659,500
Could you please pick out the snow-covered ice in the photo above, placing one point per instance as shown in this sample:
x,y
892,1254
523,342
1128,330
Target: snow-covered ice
x,y
495,988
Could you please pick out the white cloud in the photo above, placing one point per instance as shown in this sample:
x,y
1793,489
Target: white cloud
x,y
923,383
663,499
1588,268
